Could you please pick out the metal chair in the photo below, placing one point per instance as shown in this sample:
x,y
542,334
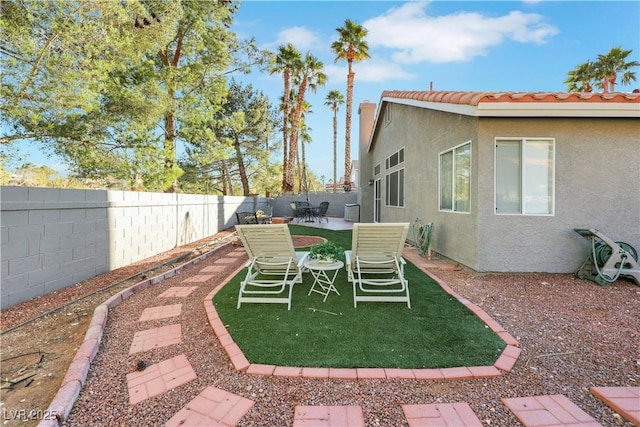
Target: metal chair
x,y
246,218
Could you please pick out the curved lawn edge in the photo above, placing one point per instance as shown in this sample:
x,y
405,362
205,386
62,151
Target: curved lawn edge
x,y
504,363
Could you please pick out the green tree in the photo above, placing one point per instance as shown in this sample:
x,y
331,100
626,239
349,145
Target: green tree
x,y
614,65
284,62
308,74
604,73
235,140
334,99
352,47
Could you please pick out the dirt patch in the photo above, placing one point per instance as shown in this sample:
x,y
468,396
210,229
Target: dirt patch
x,y
306,241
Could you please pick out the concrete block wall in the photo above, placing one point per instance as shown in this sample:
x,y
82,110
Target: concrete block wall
x,y
53,238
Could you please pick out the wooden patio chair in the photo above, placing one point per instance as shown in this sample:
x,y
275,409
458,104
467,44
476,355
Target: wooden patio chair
x,y
375,265
274,265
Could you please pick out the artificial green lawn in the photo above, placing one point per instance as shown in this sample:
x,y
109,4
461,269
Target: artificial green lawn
x,y
436,332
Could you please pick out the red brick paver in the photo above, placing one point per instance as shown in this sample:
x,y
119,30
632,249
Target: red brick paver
x,y
441,414
156,337
178,292
623,400
158,378
160,312
212,407
328,416
198,278
553,410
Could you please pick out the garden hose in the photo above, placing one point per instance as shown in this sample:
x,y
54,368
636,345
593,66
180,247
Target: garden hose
x,y
601,253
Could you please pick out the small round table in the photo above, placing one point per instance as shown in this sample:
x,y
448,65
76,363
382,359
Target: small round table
x,y
322,277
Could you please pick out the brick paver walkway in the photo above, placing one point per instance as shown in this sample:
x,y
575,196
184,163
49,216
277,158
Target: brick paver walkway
x,y
441,414
328,416
553,410
178,292
623,400
156,337
160,312
158,378
212,407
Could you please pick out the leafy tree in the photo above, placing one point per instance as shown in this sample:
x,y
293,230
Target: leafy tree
x,y
352,47
308,74
603,73
113,86
284,62
614,64
235,139
334,99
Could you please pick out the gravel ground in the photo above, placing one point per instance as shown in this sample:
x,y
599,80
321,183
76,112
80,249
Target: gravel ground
x,y
573,333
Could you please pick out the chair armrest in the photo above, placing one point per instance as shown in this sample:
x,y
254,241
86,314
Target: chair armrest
x,y
302,258
347,257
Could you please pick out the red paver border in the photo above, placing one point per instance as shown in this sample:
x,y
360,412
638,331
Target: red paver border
x,y
505,362
441,414
623,400
77,373
328,416
212,407
549,410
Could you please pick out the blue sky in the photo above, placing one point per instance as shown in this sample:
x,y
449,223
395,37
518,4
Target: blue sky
x,y
456,45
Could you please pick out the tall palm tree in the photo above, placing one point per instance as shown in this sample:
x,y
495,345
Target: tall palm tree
x,y
610,65
351,45
334,99
309,75
579,80
284,62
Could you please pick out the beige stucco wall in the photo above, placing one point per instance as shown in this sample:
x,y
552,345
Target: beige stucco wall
x,y
597,173
597,170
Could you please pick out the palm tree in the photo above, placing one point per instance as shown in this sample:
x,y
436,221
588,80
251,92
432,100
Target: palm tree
x,y
284,62
308,75
350,46
580,79
610,65
334,100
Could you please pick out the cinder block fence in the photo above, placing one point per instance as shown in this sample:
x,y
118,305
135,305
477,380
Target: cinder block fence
x,y
53,238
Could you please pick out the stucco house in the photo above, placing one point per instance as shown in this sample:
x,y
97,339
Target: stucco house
x,y
504,177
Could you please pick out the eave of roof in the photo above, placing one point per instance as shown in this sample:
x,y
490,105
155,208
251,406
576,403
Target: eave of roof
x,y
516,104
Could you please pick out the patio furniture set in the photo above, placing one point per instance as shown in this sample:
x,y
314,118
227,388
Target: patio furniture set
x,y
305,211
374,265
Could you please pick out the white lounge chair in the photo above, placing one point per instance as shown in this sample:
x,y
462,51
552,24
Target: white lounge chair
x,y
375,265
274,266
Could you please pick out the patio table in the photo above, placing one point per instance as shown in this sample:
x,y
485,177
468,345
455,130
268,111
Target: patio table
x,y
322,277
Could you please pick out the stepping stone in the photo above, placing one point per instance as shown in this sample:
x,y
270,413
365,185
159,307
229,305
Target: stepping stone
x,y
198,278
160,312
155,338
158,378
441,414
178,292
213,269
226,260
553,410
212,407
328,416
623,400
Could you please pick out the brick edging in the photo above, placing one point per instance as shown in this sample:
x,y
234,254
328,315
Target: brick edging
x,y
76,375
505,362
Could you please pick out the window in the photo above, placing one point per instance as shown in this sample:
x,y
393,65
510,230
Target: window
x,y
394,179
395,188
524,179
455,178
376,169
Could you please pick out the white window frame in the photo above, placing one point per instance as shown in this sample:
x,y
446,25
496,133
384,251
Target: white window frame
x,y
523,184
453,178
400,189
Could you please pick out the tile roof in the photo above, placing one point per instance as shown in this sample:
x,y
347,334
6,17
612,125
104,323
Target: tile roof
x,y
475,98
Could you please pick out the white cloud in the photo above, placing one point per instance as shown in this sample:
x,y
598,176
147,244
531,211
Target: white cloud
x,y
302,38
416,37
370,70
